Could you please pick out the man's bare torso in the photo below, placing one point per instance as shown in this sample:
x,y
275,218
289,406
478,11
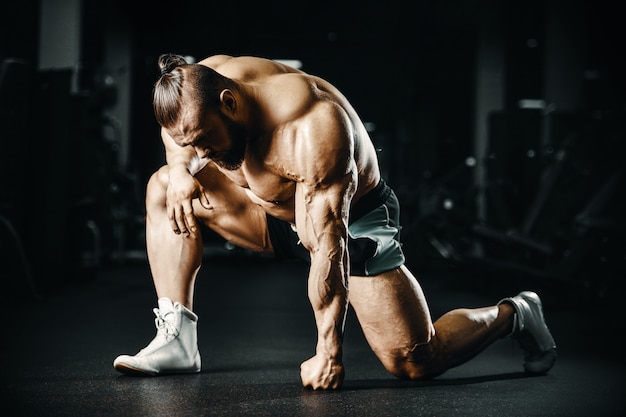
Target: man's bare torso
x,y
290,102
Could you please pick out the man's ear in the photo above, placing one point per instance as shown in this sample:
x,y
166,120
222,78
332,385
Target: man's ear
x,y
228,101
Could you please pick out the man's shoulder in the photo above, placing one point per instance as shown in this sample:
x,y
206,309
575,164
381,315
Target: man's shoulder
x,y
220,59
246,68
215,60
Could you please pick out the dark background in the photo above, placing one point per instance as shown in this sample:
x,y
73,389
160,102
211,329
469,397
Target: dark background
x,y
548,206
497,196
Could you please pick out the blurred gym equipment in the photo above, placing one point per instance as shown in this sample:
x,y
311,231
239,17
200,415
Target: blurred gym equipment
x,y
554,204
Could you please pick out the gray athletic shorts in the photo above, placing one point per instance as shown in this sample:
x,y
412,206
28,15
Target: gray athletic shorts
x,y
373,229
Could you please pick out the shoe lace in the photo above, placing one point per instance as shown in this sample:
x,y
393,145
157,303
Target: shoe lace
x,y
165,327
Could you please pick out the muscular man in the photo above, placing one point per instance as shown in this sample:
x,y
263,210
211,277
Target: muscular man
x,y
277,161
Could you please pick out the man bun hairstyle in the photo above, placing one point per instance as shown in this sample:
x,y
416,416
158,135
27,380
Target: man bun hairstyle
x,y
167,62
168,89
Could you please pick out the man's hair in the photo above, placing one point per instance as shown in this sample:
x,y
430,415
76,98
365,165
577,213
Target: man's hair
x,y
181,84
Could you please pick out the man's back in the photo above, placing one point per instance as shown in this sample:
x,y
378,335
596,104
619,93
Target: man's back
x,y
246,68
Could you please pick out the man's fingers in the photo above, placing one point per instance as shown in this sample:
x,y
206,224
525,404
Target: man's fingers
x,y
171,215
182,219
189,218
204,200
180,222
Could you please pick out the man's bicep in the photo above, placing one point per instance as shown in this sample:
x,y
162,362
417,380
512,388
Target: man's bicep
x,y
327,176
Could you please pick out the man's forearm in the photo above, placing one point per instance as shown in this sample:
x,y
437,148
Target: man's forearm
x,y
329,299
178,158
330,326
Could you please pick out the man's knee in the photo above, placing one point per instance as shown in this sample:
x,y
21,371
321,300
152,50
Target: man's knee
x,y
161,177
416,362
157,186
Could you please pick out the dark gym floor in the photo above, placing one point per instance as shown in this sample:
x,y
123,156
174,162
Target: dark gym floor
x,y
256,327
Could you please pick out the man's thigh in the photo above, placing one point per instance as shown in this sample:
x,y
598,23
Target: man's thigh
x,y
392,311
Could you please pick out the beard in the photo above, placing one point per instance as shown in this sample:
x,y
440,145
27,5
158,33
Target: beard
x,y
232,158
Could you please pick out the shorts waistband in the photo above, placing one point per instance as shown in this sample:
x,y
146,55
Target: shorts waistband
x,y
374,198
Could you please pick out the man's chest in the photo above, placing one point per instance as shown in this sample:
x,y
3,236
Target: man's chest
x,y
267,189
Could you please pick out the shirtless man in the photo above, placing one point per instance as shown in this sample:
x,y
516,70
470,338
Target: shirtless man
x,y
277,161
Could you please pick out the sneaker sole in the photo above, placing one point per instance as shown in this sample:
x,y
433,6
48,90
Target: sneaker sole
x,y
132,371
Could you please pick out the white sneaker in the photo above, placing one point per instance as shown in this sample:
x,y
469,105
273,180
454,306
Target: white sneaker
x,y
174,348
532,333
